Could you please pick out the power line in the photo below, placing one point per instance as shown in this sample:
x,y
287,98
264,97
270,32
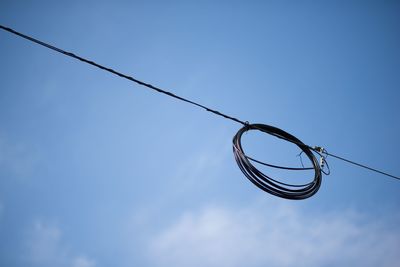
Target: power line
x,y
363,166
130,78
242,159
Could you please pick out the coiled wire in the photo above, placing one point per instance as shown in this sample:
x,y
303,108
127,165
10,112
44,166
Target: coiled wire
x,y
267,183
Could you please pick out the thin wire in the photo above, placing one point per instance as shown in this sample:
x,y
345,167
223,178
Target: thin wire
x,y
279,167
159,90
130,78
363,166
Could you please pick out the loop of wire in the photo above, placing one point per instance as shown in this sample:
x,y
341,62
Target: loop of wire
x,y
267,183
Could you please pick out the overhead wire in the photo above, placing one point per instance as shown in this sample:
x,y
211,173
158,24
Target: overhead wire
x,y
264,182
120,74
363,166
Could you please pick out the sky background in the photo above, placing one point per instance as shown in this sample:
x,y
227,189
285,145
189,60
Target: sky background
x,y
98,171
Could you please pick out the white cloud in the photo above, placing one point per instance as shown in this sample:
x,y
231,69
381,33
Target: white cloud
x,y
274,236
17,158
202,168
44,247
194,170
83,262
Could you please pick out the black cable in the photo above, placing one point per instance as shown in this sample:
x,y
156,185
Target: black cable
x,y
130,78
363,166
266,183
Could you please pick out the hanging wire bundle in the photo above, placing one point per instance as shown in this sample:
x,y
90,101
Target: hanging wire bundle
x,y
266,183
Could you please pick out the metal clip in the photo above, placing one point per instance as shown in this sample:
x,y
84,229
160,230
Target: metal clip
x,y
322,162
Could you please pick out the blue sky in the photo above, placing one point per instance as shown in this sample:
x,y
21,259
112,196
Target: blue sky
x,y
97,171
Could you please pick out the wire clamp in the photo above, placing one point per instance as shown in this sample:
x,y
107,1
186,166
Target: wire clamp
x,y
322,161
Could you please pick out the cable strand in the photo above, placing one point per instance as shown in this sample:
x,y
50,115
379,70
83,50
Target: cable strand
x,y
130,78
363,166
